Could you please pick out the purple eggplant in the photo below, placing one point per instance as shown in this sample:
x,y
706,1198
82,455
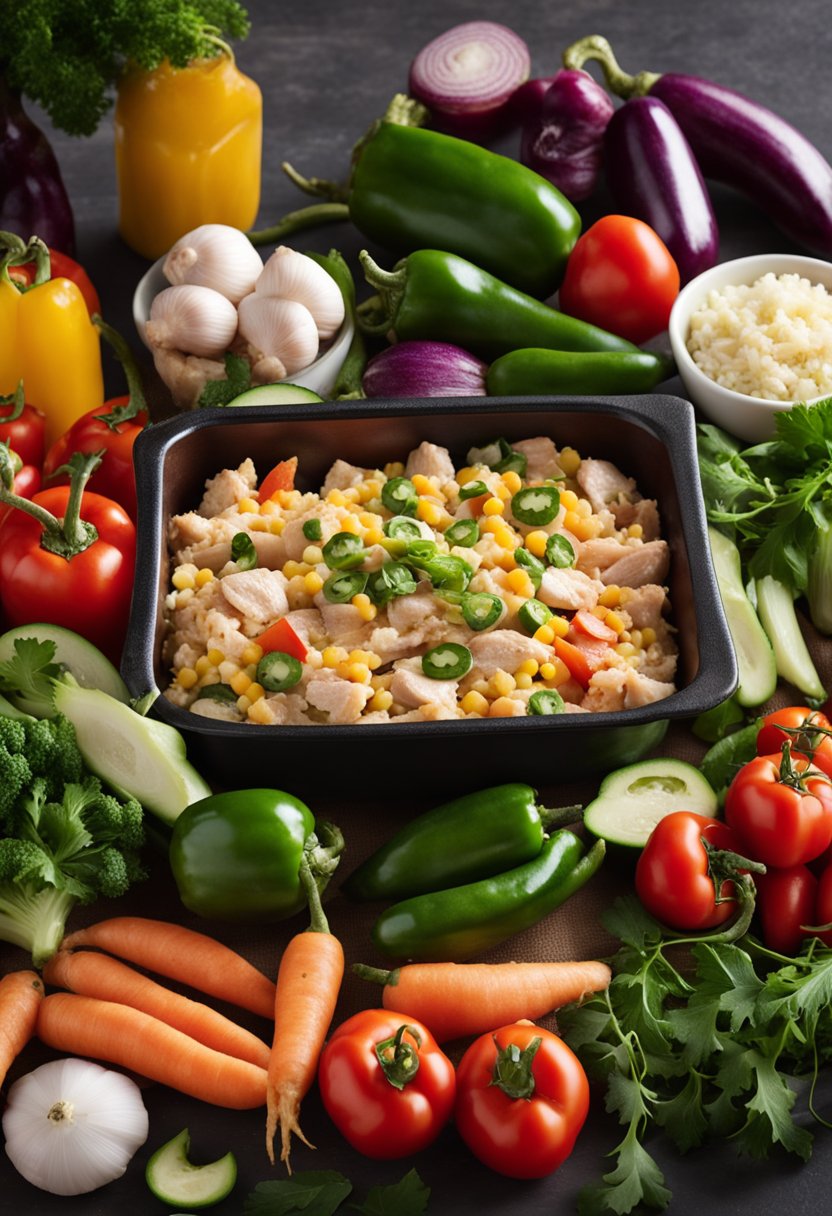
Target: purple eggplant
x,y
33,198
738,142
424,369
563,141
652,174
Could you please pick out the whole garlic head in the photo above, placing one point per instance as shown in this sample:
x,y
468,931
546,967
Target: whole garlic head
x,y
216,256
293,276
196,320
279,328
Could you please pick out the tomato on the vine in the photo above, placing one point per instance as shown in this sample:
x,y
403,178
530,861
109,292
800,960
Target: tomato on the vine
x,y
386,1084
808,730
823,905
23,428
780,806
522,1098
785,903
621,276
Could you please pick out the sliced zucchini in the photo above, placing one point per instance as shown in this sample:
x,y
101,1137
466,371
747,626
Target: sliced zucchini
x,y
755,656
632,800
173,1179
276,394
139,757
775,604
75,654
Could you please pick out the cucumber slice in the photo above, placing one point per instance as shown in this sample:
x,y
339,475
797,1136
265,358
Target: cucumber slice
x,y
140,757
7,710
84,661
276,394
755,656
173,1179
794,662
632,800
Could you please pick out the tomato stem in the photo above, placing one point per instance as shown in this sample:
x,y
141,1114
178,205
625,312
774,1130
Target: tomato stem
x,y
64,537
513,1068
17,400
403,1064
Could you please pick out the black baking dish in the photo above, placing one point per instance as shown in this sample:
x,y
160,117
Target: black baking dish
x,y
651,438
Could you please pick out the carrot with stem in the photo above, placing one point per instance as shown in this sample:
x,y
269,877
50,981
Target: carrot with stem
x,y
456,999
184,955
308,983
21,993
91,974
104,1030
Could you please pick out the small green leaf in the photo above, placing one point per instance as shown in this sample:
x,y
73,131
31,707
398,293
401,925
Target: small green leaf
x,y
243,551
682,1116
237,380
628,920
314,1192
407,1197
636,1179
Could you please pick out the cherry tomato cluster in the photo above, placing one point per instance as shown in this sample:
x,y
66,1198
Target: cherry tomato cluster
x,y
519,1096
693,871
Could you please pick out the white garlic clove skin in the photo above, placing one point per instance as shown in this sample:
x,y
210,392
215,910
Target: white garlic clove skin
x,y
283,328
215,256
294,276
196,320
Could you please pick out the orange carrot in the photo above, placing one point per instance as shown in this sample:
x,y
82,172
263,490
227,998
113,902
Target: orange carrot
x,y
21,993
456,999
281,477
117,1034
181,954
308,982
98,975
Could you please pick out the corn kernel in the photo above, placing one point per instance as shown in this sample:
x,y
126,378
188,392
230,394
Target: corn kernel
x,y
429,512
636,531
423,484
547,671
184,597
491,525
505,559
312,555
572,521
243,705
260,712
523,679
570,461
584,508
358,673
512,481
368,489
333,655
350,524
183,580
544,634
269,507
204,576
469,473
240,682
536,543
519,582
293,569
503,707
501,683
373,536
380,682
394,469
365,606
277,525
529,667
560,673
351,494
255,691
251,670
481,686
648,636
610,597
312,582
381,700
215,656
636,639
625,649
186,677
336,499
615,622
506,539
258,525
568,500
367,519
252,653
503,492
203,665
588,529
248,506
474,703
559,626
493,506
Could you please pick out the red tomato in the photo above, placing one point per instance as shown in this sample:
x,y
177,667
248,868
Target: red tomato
x,y
621,276
23,428
88,593
386,1084
782,814
823,905
26,483
785,903
62,267
525,1130
673,878
808,731
114,477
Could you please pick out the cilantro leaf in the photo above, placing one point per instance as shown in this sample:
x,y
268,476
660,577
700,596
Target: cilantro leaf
x,y
313,1192
630,921
682,1115
29,674
237,380
769,1121
635,1179
407,1197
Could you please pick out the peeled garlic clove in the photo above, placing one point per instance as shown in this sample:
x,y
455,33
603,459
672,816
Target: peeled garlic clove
x,y
284,328
294,276
196,320
215,256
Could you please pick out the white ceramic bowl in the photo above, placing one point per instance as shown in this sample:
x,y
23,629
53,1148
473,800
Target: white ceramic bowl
x,y
749,418
320,376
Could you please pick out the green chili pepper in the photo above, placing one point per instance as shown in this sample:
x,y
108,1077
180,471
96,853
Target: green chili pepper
x,y
312,529
348,381
448,661
340,587
399,496
453,924
535,504
481,609
532,614
559,552
243,551
236,856
217,692
472,489
402,527
343,551
277,671
390,581
465,533
472,837
531,564
538,372
545,701
438,296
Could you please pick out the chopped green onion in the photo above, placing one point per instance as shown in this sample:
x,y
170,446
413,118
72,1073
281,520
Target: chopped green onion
x,y
472,489
481,609
559,552
448,661
243,551
515,462
545,701
340,587
312,529
343,551
533,567
399,496
217,692
277,671
419,550
535,504
447,572
402,527
532,614
465,533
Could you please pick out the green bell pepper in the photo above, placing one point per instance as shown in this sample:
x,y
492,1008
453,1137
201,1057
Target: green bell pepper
x,y
236,856
537,372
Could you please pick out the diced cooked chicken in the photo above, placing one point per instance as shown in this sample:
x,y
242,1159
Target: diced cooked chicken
x,y
660,665
227,488
271,551
286,709
431,461
222,632
435,711
617,688
603,483
644,512
505,650
222,711
341,700
259,595
185,655
648,563
308,624
541,458
343,623
294,540
595,555
644,605
190,533
411,688
342,475
568,589
408,612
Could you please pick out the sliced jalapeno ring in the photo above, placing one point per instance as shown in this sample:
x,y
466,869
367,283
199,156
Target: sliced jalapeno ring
x,y
217,692
472,489
535,504
277,671
399,496
343,551
448,661
465,533
559,552
243,551
312,529
490,454
420,549
481,609
532,565
402,527
340,587
516,462
532,614
545,701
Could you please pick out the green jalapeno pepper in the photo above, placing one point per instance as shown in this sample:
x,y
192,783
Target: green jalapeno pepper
x,y
559,552
439,296
465,533
472,837
341,586
472,489
399,495
538,372
236,856
532,614
536,505
545,701
532,565
343,551
447,661
455,924
278,671
481,609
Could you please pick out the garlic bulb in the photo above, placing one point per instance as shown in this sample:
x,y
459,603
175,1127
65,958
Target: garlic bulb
x,y
215,256
281,328
294,276
196,320
72,1126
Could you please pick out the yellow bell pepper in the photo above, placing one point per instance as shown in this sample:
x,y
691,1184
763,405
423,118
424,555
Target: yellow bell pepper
x,y
47,340
188,149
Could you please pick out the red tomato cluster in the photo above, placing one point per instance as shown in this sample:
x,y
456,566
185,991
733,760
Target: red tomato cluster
x,y
519,1096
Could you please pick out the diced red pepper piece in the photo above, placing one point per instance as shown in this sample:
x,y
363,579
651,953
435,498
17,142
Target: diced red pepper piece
x,y
593,626
282,477
281,636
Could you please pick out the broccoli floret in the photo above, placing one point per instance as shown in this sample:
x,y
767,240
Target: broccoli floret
x,y
52,749
15,770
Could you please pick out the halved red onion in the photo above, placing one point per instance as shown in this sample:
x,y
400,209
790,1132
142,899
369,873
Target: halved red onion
x,y
468,75
424,369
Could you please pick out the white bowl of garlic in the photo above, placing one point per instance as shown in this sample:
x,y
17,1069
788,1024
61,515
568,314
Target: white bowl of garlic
x,y
212,295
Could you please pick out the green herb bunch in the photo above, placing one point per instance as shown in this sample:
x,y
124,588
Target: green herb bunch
x,y
718,1049
68,55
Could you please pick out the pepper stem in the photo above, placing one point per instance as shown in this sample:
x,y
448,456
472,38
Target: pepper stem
x,y
559,816
513,1068
321,854
403,1064
16,400
596,47
14,251
377,315
65,537
296,221
375,975
136,402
